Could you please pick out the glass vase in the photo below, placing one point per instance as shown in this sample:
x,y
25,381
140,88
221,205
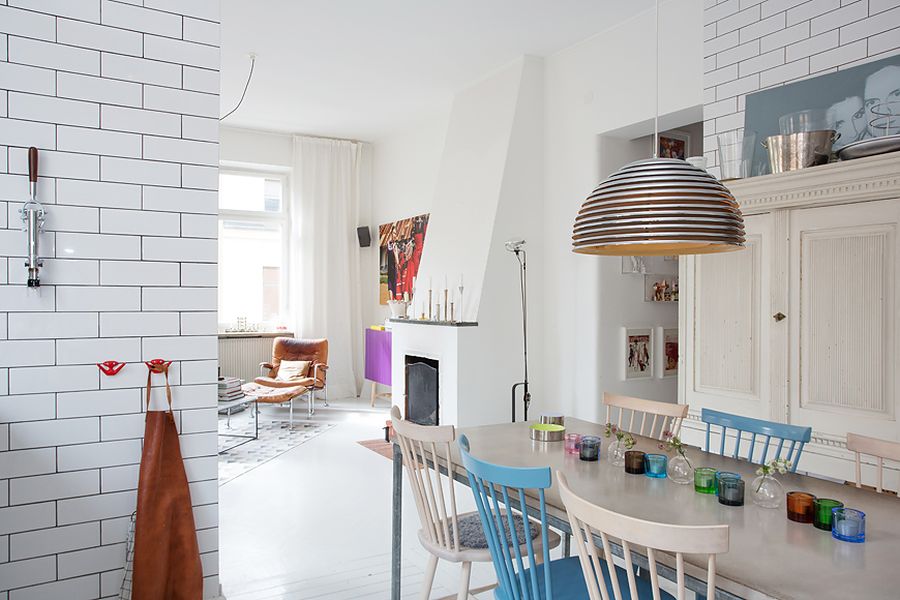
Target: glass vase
x,y
615,454
767,492
680,470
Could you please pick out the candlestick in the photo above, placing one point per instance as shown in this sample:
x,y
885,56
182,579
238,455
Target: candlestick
x,y
429,300
446,306
437,311
461,318
452,316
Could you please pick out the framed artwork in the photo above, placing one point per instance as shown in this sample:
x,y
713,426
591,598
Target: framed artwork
x,y
400,246
674,144
669,352
638,353
633,264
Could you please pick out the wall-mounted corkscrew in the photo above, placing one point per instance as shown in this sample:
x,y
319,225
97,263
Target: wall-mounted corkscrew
x,y
33,222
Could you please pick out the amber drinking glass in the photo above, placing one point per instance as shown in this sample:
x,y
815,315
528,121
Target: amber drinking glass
x,y
800,507
634,462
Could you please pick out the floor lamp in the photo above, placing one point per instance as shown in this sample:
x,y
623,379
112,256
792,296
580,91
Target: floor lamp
x,y
517,247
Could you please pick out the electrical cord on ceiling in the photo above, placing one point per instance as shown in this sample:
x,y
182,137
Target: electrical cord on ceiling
x,y
244,93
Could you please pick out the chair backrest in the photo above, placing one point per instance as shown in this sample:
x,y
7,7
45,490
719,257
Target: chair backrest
x,y
433,492
588,519
667,416
492,484
315,351
880,449
772,432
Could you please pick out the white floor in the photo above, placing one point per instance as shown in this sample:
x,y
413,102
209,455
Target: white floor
x,y
316,521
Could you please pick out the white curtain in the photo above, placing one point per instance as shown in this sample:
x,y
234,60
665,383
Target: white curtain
x,y
325,292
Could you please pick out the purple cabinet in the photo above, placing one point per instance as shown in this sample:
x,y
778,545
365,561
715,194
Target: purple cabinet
x,y
378,356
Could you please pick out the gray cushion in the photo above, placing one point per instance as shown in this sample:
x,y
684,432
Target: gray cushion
x,y
471,533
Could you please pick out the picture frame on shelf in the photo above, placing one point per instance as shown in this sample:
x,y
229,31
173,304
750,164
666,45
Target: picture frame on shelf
x,y
668,361
637,352
675,144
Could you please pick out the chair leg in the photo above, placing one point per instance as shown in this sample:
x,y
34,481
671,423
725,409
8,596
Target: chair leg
x,y
325,395
429,577
291,415
310,400
465,575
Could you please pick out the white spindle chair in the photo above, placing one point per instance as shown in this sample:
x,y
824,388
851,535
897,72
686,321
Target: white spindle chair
x,y
666,414
586,519
436,503
880,449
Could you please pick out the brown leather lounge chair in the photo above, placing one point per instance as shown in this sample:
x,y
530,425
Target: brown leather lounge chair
x,y
314,351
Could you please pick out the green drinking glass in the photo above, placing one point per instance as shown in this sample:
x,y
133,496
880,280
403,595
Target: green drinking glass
x,y
822,512
705,480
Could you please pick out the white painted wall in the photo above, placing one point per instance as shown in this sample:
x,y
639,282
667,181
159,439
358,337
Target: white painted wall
x,y
405,168
122,101
577,304
254,149
587,94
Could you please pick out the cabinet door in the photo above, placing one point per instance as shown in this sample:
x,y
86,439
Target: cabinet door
x,y
843,296
726,334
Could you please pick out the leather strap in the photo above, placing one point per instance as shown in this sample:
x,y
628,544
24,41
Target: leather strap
x,y
158,368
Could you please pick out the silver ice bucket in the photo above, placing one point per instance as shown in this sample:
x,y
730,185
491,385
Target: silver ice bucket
x,y
799,150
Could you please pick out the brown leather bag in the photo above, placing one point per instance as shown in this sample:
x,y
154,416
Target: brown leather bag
x,y
166,556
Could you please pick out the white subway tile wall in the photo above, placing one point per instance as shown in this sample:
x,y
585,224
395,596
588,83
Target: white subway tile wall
x,y
121,97
751,45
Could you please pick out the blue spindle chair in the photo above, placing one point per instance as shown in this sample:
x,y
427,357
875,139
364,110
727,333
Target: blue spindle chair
x,y
794,436
523,577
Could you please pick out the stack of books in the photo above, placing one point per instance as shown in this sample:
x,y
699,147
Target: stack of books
x,y
230,389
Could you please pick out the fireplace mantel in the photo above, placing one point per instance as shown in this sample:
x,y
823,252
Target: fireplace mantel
x,y
436,323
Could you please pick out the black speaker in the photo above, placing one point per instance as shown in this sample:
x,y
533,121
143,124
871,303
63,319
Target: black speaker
x,y
365,238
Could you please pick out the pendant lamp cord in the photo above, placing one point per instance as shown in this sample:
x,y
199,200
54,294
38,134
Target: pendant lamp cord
x,y
656,84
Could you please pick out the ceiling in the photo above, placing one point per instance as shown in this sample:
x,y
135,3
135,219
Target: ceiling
x,y
363,68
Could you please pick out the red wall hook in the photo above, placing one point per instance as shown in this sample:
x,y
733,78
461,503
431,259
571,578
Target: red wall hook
x,y
110,367
158,365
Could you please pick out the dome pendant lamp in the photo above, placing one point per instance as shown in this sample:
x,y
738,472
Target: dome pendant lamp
x,y
658,206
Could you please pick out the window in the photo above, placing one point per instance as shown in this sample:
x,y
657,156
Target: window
x,y
253,248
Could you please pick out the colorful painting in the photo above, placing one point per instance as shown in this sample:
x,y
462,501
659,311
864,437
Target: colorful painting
x,y
638,353
670,352
674,144
400,246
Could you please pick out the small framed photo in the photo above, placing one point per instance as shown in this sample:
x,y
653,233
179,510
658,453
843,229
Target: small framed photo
x,y
669,352
633,264
638,353
674,144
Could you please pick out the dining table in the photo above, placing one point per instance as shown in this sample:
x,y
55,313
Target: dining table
x,y
769,556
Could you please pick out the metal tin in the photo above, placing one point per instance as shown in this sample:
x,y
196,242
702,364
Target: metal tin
x,y
553,419
799,150
545,432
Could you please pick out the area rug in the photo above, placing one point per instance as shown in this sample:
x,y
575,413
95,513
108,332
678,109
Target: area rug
x,y
275,438
379,447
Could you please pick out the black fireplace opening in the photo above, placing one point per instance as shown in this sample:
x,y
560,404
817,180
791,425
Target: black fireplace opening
x,y
421,390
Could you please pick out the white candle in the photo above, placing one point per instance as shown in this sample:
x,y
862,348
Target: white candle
x,y
446,287
460,280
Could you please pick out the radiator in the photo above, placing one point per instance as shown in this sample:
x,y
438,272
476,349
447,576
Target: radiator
x,y
239,356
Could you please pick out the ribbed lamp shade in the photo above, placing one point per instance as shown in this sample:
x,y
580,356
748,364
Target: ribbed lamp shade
x,y
659,206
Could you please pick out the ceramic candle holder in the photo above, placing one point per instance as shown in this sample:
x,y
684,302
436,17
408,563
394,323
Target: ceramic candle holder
x,y
800,507
731,491
634,462
823,512
655,465
590,448
848,525
573,443
705,480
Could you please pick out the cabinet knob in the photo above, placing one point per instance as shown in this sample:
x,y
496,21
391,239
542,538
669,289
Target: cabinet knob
x,y
779,316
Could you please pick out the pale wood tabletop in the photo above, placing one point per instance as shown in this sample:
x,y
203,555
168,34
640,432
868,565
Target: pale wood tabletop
x,y
769,556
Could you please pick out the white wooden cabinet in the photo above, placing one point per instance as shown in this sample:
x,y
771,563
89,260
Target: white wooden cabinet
x,y
801,326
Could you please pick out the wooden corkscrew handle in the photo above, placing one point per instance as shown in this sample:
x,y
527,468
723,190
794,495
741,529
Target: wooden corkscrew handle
x,y
33,164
